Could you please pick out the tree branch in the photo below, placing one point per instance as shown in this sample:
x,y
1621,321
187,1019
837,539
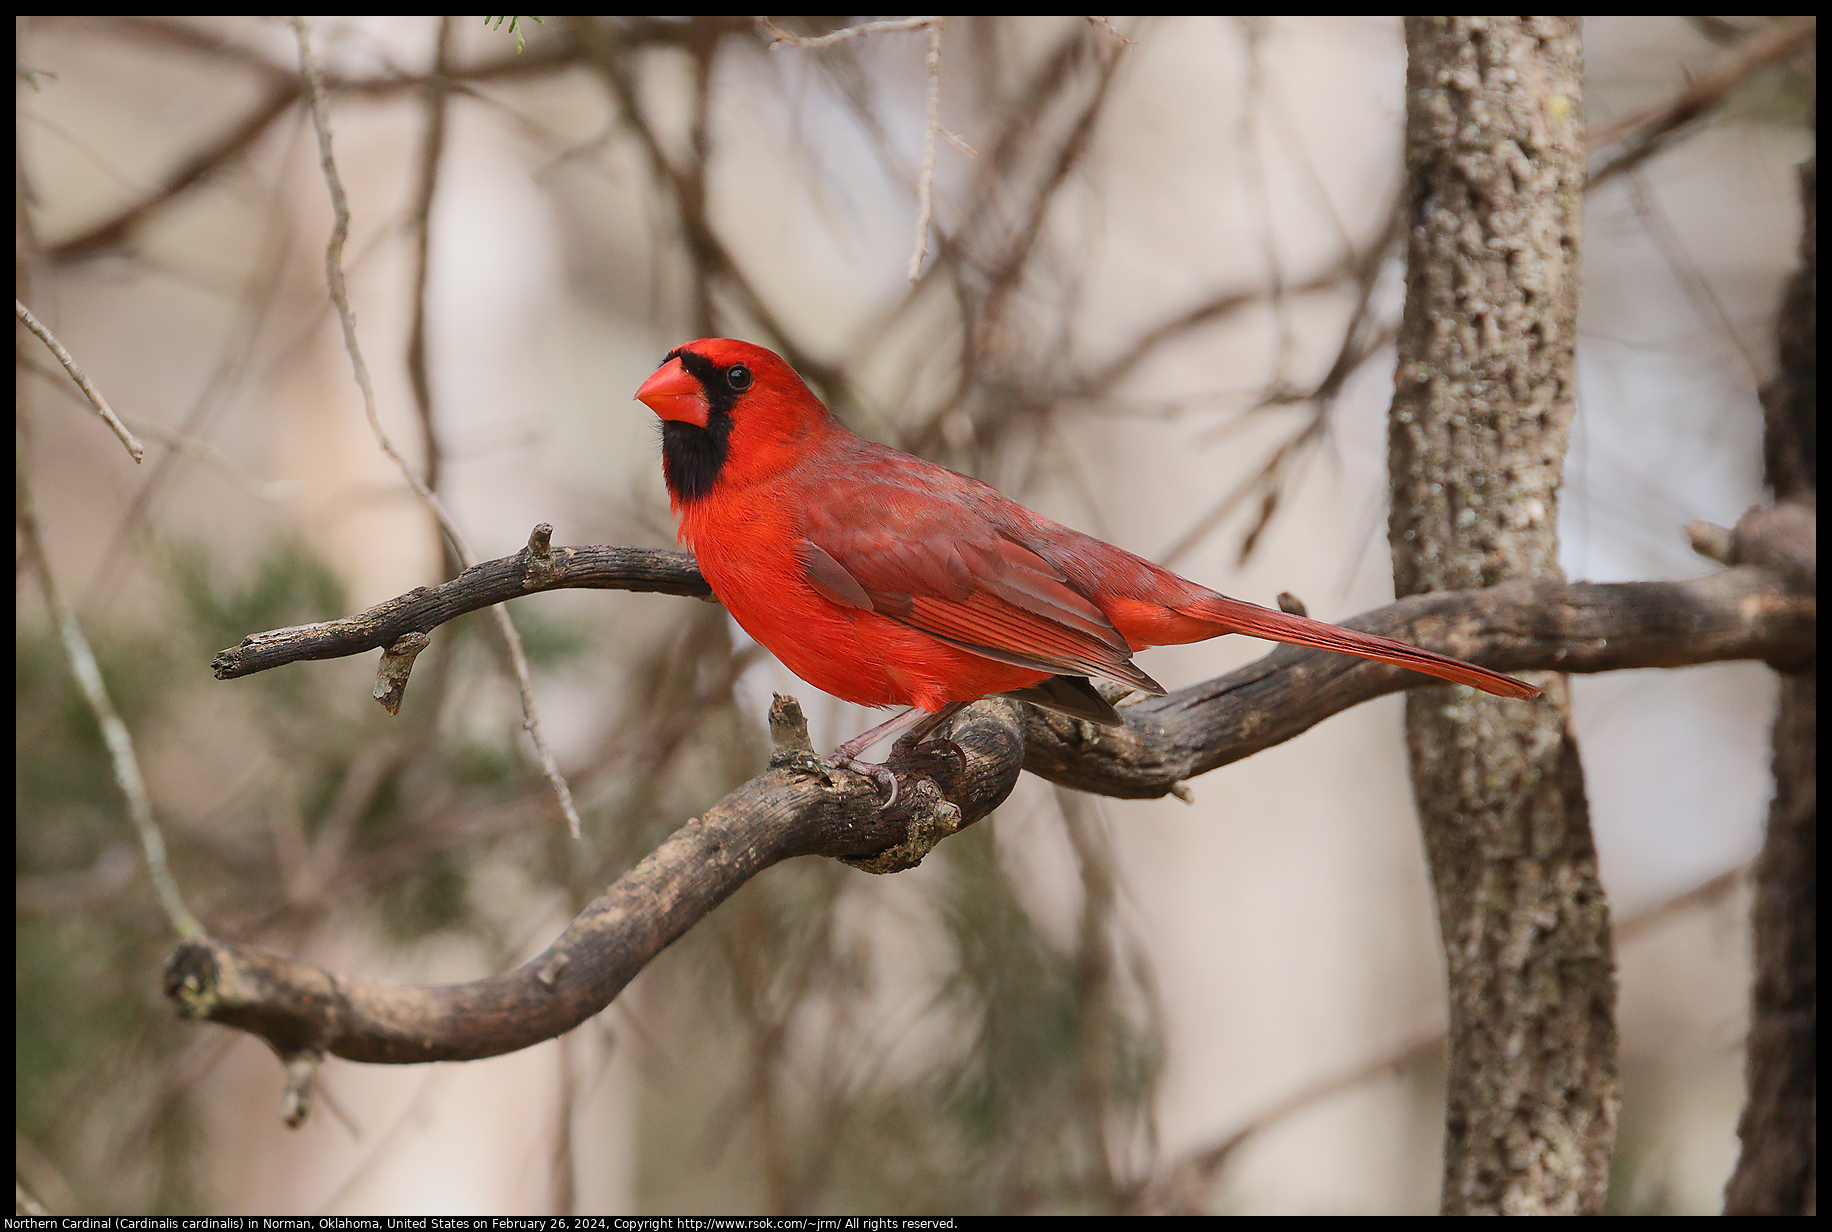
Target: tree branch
x,y
1647,132
425,608
802,806
1579,627
799,807
135,449
1762,609
283,90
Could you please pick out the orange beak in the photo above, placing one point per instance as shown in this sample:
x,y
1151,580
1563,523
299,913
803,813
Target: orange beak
x,y
674,393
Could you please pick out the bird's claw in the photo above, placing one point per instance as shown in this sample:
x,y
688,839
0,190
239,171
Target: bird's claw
x,y
875,772
938,746
907,749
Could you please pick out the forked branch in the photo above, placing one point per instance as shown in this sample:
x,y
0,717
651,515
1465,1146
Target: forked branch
x,y
1762,607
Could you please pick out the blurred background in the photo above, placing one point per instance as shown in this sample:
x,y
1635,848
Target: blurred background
x,y
1157,301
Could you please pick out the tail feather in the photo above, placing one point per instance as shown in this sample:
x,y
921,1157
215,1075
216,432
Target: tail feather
x,y
1256,621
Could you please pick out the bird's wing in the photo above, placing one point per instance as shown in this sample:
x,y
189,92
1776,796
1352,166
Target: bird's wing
x,y
929,548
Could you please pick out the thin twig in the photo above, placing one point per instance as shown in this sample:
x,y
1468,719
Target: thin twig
x,y
135,449
183,442
114,732
1643,134
985,298
1112,29
432,151
333,260
705,245
259,299
1688,274
1257,193
779,35
198,168
925,181
1647,132
1361,338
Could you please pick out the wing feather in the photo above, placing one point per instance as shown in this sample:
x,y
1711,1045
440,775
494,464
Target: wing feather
x,y
950,568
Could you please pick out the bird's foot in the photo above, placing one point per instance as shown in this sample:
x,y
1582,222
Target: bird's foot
x,y
877,773
909,745
913,745
909,748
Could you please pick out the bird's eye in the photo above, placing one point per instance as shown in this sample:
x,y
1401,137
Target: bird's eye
x,y
738,377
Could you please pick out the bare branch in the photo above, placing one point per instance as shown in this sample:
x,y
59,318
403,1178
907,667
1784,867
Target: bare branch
x,y
1217,307
193,171
333,262
1761,609
1647,132
334,275
427,607
707,247
1580,627
779,35
925,181
115,736
432,152
135,449
284,89
1361,338
804,807
799,807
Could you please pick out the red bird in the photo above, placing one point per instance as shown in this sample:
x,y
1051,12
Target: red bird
x,y
884,579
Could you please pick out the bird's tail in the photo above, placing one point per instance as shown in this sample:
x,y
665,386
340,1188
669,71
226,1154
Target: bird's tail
x,y
1239,617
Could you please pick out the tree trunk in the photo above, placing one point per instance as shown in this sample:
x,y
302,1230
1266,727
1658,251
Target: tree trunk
x,y
1777,1171
1481,414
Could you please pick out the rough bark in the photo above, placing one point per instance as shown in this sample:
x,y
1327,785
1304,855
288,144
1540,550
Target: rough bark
x,y
1777,1172
1753,610
1477,437
1762,609
800,806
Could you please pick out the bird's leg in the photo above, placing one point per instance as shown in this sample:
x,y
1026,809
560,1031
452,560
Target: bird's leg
x,y
919,722
858,744
848,754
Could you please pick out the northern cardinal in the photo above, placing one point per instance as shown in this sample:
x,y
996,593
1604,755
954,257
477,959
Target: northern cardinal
x,y
884,579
